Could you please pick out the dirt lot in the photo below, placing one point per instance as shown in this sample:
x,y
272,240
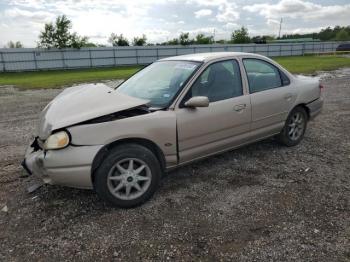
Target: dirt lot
x,y
264,202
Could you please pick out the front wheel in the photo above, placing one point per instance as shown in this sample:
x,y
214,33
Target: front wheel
x,y
128,176
294,128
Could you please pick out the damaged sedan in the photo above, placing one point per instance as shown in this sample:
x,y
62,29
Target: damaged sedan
x,y
120,141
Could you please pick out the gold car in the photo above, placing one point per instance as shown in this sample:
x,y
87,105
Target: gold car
x,y
120,141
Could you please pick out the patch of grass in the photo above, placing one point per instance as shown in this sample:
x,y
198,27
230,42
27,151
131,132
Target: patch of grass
x,y
311,64
55,79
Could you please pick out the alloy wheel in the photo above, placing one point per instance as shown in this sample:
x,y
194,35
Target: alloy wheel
x,y
296,126
129,178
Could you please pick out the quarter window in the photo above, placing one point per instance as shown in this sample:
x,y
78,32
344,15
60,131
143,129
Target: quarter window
x,y
221,80
262,75
285,79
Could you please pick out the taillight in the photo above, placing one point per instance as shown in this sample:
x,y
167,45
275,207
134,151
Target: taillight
x,y
321,90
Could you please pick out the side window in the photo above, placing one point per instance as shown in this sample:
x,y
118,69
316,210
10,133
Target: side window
x,y
221,80
261,75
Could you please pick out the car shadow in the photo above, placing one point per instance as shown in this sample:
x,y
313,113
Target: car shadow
x,y
207,170
236,167
190,173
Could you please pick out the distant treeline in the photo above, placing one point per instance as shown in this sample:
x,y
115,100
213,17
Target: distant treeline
x,y
241,36
327,34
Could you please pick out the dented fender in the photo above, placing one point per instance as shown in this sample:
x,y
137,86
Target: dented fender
x,y
158,127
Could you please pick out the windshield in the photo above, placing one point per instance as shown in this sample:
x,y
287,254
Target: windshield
x,y
160,82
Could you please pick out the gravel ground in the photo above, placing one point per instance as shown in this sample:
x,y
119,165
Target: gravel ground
x,y
263,202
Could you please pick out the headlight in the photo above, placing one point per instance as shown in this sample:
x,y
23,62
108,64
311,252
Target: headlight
x,y
57,140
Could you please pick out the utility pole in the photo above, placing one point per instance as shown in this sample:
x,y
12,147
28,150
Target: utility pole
x,y
279,32
214,36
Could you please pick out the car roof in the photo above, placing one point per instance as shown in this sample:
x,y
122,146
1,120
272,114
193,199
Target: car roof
x,y
206,57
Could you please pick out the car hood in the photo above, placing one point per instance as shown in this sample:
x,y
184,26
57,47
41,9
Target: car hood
x,y
81,103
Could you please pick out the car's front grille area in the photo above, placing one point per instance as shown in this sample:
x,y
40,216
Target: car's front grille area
x,y
37,144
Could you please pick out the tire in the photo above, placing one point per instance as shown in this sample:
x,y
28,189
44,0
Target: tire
x,y
128,176
294,128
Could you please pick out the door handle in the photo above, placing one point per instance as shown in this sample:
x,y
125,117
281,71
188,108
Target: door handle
x,y
240,107
288,96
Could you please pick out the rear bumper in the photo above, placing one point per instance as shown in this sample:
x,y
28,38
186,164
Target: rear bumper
x,y
70,166
315,107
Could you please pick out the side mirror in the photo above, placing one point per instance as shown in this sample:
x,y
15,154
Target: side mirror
x,y
197,101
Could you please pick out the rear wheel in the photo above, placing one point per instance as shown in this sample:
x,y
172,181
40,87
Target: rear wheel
x,y
294,128
128,176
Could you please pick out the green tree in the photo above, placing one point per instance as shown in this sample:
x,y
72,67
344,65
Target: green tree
x,y
118,40
139,41
90,44
185,39
240,36
77,41
326,34
174,41
58,35
269,38
342,35
201,39
12,44
221,41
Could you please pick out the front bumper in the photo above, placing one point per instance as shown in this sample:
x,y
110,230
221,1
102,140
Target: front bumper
x,y
70,166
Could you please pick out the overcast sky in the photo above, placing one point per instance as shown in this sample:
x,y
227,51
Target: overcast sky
x,y
22,20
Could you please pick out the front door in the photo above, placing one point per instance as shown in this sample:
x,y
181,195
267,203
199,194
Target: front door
x,y
225,123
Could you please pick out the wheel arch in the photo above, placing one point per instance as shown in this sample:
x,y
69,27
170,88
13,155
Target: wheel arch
x,y
304,106
153,147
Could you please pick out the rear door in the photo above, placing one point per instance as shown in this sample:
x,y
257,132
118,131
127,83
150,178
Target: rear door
x,y
206,130
271,96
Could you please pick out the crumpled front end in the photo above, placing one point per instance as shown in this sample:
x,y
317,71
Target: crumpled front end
x,y
82,103
69,163
70,166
